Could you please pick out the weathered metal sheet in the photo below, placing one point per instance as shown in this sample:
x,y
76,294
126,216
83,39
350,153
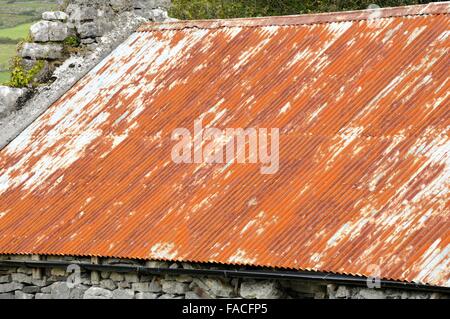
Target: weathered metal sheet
x,y
363,186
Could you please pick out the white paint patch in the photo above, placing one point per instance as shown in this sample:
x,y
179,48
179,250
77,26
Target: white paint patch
x,y
240,257
415,34
285,108
164,251
342,141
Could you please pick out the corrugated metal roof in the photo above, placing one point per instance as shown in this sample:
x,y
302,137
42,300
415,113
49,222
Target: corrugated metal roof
x,y
362,103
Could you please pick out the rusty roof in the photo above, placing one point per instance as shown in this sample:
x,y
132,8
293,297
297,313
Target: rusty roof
x,y
362,103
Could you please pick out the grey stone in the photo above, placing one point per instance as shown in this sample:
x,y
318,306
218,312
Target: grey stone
x,y
58,272
191,295
42,296
25,270
45,31
108,284
88,30
305,287
9,287
21,295
39,282
59,290
157,15
47,289
31,289
64,78
123,294
78,292
371,294
95,277
174,287
156,264
184,278
218,287
81,13
124,285
119,5
7,296
147,295
5,278
55,16
8,102
50,51
343,292
97,293
131,277
170,296
105,274
116,277
260,290
150,4
152,286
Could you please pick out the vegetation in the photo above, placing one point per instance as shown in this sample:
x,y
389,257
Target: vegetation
x,y
15,12
20,77
15,33
219,9
16,16
72,41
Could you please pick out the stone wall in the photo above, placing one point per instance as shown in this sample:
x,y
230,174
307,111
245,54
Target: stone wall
x,y
68,283
77,30
116,20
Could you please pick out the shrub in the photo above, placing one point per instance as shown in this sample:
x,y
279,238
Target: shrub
x,y
213,9
20,77
72,41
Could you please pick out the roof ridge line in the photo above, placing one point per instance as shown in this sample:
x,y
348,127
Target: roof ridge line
x,y
432,8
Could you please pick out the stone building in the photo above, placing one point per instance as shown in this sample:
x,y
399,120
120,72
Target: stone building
x,y
92,204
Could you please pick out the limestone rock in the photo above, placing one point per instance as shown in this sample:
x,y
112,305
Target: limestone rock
x,y
88,30
59,290
131,277
31,289
7,296
174,287
343,292
116,276
21,295
97,293
42,296
215,286
191,295
42,51
260,290
9,287
6,278
45,31
371,294
108,284
8,102
55,16
81,13
146,295
153,286
123,294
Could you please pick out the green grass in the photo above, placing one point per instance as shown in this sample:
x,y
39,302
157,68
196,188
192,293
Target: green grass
x,y
6,52
16,12
16,16
4,77
16,33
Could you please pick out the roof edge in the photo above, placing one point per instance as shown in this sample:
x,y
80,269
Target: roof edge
x,y
304,19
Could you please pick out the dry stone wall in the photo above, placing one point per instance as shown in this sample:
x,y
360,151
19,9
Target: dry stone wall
x,y
83,24
68,283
